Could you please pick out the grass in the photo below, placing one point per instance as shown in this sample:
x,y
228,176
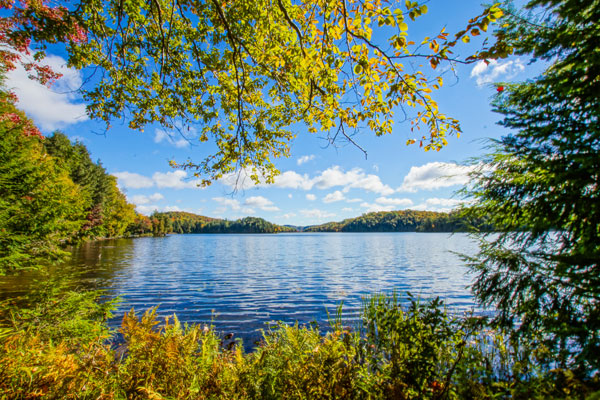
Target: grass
x,y
60,349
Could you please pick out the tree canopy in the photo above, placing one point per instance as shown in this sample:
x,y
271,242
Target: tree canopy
x,y
543,194
242,73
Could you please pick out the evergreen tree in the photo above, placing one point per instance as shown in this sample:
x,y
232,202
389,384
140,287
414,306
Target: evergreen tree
x,y
541,271
40,206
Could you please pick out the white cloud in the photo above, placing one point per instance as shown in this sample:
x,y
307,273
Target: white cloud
x,y
333,197
316,214
353,200
233,204
293,180
146,209
347,209
334,176
132,180
356,178
370,207
435,175
311,197
386,204
260,202
141,199
305,159
174,180
439,204
227,202
175,139
50,108
488,73
394,202
288,216
290,196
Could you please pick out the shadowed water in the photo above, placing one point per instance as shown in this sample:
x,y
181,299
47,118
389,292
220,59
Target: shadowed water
x,y
242,282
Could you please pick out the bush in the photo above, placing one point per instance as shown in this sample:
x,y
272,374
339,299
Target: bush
x,y
416,352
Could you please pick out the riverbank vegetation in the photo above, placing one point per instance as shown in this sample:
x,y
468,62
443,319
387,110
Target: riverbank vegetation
x,y
58,349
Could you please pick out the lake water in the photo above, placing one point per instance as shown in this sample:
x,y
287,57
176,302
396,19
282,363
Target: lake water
x,y
242,282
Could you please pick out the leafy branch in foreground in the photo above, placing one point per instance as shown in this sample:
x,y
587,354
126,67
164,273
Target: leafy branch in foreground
x,y
242,73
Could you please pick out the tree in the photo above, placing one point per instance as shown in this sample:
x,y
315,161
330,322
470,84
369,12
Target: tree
x,y
242,73
541,270
40,207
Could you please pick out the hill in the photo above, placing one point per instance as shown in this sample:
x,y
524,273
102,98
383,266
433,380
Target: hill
x,y
185,222
396,221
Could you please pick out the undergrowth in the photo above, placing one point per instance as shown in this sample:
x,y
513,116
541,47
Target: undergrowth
x,y
60,348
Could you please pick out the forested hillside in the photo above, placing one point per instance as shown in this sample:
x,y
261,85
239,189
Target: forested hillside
x,y
398,221
184,222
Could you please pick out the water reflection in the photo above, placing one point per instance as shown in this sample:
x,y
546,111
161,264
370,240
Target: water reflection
x,y
241,282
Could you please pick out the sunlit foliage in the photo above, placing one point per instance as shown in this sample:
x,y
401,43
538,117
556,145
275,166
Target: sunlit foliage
x,y
242,73
51,194
414,352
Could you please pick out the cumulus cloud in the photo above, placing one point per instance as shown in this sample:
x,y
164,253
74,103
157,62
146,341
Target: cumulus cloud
x,y
146,209
356,178
305,159
333,197
261,202
375,207
131,180
347,209
496,70
311,197
292,180
175,139
394,202
439,204
227,203
334,176
174,180
50,108
149,209
435,175
316,214
141,199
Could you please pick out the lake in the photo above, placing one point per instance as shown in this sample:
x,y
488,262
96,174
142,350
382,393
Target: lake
x,y
243,282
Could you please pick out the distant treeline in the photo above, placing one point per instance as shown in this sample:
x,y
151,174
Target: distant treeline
x,y
384,221
401,221
184,222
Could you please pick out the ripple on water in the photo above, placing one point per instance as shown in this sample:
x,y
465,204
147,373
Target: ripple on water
x,y
240,283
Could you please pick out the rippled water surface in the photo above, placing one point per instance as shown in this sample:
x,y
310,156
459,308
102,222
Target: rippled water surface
x,y
241,282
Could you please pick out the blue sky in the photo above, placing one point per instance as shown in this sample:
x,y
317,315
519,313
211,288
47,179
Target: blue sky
x,y
319,183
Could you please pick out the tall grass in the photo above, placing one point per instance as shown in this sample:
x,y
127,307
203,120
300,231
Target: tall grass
x,y
414,352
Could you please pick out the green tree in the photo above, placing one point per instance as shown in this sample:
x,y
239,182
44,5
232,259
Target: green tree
x,y
40,206
541,270
242,72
